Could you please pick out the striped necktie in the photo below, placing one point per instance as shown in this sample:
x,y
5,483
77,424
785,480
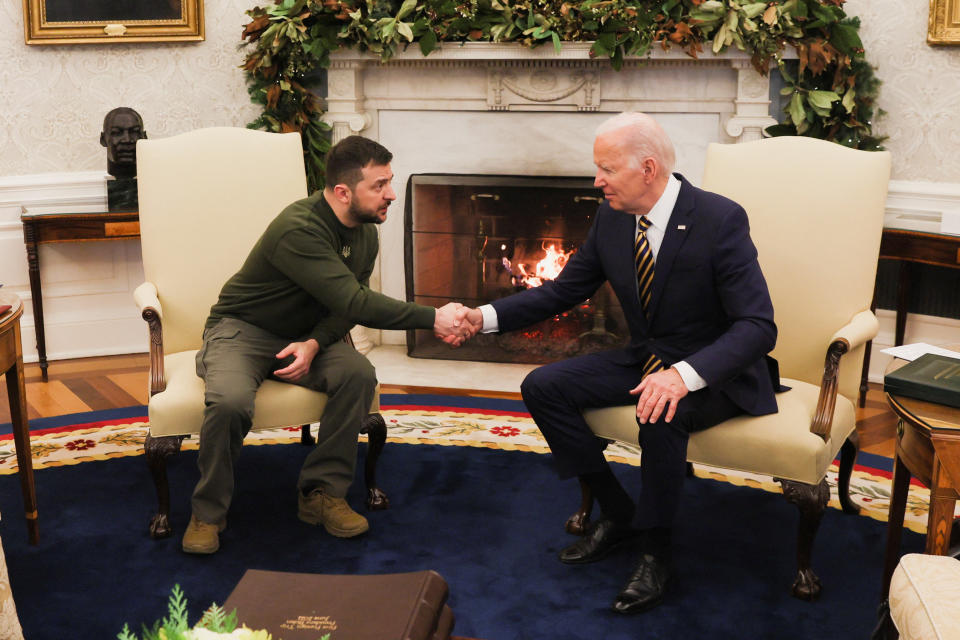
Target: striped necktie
x,y
643,256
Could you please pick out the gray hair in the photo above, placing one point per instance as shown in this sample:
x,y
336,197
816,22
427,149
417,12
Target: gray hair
x,y
643,137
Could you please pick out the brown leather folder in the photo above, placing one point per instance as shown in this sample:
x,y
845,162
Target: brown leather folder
x,y
307,606
444,624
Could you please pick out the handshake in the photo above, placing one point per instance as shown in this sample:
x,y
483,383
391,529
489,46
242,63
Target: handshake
x,y
455,323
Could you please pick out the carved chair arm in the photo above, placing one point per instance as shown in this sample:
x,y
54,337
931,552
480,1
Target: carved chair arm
x,y
146,298
861,328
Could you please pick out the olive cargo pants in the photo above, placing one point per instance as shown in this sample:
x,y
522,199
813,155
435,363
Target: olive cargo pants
x,y
236,357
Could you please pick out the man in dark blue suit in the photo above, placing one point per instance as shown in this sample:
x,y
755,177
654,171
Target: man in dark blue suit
x,y
685,270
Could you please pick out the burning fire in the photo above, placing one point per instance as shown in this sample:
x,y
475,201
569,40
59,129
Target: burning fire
x,y
548,268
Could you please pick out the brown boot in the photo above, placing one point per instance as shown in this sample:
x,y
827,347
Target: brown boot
x,y
334,514
202,537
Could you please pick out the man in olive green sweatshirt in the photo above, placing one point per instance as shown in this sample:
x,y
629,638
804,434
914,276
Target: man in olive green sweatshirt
x,y
285,314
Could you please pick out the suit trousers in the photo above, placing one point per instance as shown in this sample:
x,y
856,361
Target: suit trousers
x,y
235,359
557,393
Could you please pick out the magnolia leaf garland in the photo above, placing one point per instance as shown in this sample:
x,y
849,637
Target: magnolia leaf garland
x,y
832,89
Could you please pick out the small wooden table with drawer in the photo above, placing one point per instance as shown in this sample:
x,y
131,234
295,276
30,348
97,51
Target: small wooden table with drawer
x,y
42,227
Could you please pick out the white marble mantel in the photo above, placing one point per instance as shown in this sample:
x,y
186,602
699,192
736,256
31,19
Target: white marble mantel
x,y
477,76
492,108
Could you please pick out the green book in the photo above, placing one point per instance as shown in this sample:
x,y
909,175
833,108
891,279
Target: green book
x,y
930,377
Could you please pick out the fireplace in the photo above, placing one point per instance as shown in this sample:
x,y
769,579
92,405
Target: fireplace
x,y
484,109
476,238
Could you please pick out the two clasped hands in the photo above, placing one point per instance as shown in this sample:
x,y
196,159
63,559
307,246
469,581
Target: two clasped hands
x,y
456,323
657,395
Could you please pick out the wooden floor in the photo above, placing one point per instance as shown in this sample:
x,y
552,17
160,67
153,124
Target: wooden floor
x,y
93,384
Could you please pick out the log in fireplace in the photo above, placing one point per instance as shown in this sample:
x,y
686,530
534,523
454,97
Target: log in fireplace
x,y
476,238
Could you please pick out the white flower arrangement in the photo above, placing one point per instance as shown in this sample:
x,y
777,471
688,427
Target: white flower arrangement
x,y
215,624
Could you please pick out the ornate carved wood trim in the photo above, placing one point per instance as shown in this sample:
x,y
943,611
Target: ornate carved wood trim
x,y
157,380
823,418
811,500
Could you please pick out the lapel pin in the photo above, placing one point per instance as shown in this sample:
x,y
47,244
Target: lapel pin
x,y
681,227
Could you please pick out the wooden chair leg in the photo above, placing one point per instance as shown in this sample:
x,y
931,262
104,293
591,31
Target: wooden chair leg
x,y
305,437
885,629
812,500
157,450
577,523
376,429
848,456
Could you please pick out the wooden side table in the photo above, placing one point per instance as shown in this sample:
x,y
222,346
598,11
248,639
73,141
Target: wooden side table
x,y
928,447
11,364
43,227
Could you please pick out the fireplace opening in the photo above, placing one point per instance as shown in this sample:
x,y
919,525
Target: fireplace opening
x,y
476,238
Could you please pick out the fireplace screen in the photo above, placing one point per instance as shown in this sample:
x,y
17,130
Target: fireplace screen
x,y
474,239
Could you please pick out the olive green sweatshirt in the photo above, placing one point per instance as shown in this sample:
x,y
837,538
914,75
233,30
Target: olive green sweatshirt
x,y
308,277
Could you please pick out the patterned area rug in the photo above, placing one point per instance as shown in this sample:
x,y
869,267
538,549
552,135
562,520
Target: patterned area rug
x,y
416,419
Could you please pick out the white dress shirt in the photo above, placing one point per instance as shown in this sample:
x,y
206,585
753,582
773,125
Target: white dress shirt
x,y
659,217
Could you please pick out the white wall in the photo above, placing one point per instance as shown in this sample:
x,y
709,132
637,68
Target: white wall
x,y
920,91
53,99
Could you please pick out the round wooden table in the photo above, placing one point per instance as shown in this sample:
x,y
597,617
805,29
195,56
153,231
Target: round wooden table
x,y
928,448
11,364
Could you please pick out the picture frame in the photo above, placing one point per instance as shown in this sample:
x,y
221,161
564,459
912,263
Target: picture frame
x,y
944,25
100,21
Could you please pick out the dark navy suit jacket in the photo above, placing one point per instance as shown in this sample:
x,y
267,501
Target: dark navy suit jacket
x,y
709,306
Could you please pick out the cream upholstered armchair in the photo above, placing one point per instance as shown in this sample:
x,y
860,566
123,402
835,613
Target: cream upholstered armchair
x,y
205,198
816,215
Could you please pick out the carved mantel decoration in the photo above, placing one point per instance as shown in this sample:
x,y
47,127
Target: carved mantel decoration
x,y
512,78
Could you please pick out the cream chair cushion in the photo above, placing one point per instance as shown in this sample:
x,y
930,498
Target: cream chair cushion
x,y
925,597
179,409
778,445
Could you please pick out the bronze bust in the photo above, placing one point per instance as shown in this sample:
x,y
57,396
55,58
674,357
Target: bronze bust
x,y
122,127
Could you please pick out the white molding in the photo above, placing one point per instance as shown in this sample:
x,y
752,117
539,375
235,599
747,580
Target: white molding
x,y
919,206
81,187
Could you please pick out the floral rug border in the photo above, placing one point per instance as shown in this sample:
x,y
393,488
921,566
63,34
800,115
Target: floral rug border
x,y
488,429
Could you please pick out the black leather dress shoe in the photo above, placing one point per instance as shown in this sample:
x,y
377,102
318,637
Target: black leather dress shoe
x,y
646,586
602,537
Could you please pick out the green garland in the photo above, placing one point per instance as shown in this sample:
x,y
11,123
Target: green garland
x,y
832,88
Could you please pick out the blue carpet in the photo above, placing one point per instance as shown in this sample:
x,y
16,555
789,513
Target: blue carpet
x,y
490,522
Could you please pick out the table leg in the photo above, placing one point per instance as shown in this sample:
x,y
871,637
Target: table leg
x,y
898,506
36,295
940,517
21,436
865,372
903,300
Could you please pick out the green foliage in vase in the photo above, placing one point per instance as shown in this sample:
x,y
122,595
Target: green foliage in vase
x,y
832,94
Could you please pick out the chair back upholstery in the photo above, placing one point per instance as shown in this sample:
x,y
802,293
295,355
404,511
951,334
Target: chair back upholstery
x,y
206,196
816,215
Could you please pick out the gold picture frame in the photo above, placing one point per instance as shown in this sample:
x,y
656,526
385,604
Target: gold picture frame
x,y
944,25
99,21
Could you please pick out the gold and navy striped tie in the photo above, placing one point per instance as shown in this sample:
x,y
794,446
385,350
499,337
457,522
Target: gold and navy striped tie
x,y
643,256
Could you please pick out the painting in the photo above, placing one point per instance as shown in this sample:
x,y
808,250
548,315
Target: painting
x,y
99,21
944,26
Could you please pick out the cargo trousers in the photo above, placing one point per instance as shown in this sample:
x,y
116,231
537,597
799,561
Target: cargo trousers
x,y
235,359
